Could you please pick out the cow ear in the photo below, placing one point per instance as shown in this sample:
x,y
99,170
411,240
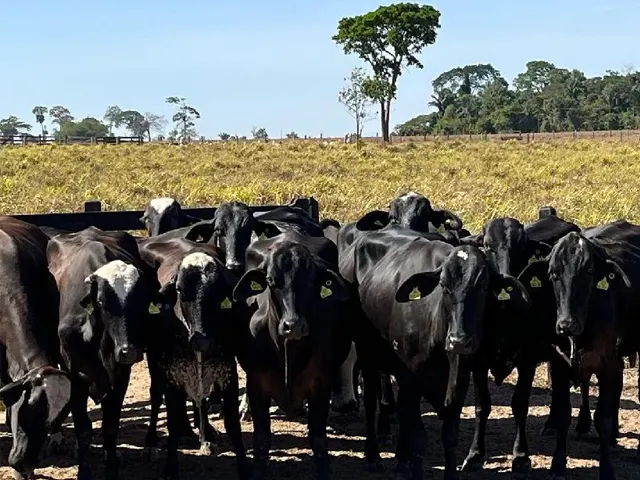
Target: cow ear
x,y
418,286
87,300
535,275
450,219
168,294
508,289
266,230
10,394
540,250
612,271
474,240
253,282
331,285
200,232
374,220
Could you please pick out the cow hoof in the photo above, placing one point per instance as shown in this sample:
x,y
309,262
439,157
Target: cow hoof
x,y
472,463
521,465
375,467
19,476
214,409
385,440
208,449
150,454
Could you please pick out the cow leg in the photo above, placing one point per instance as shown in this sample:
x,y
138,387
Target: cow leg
x,y
457,387
476,453
174,401
413,438
371,391
560,389
521,462
111,410
583,427
387,408
550,427
603,420
206,431
318,412
84,432
232,426
245,409
619,385
150,452
260,402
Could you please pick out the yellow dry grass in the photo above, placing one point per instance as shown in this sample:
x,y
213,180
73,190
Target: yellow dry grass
x,y
588,181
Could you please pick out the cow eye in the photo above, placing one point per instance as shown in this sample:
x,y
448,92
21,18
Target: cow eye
x,y
270,281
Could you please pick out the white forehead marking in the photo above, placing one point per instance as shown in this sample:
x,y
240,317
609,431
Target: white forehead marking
x,y
120,275
409,195
161,204
196,259
463,255
581,242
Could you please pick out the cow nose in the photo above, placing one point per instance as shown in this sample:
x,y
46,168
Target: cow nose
x,y
568,326
461,345
235,266
128,355
200,343
294,330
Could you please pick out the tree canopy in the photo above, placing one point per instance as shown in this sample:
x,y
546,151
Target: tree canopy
x,y
87,127
543,98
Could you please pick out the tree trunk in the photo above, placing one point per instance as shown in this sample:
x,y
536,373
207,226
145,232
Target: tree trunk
x,y
385,107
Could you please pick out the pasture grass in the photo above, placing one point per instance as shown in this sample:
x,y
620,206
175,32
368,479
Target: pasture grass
x,y
588,181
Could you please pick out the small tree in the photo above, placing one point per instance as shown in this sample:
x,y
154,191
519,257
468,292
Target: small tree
x,y
259,133
184,118
12,125
113,117
292,135
354,97
224,136
60,115
388,38
40,113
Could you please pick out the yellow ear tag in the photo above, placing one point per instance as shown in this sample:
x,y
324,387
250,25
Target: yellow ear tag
x,y
154,309
535,282
503,295
532,259
255,286
415,294
378,223
89,308
441,229
2,406
262,236
603,284
325,292
226,304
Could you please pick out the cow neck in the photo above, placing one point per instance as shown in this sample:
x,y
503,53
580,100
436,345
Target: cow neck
x,y
287,350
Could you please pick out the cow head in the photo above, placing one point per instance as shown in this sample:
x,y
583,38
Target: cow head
x,y
297,284
464,280
507,246
200,292
577,269
118,299
234,227
39,402
161,215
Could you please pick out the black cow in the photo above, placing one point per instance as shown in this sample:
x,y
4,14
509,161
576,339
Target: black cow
x,y
193,344
424,304
296,338
593,277
164,214
522,342
106,292
36,390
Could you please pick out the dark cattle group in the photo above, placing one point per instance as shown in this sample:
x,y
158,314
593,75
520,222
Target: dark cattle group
x,y
312,311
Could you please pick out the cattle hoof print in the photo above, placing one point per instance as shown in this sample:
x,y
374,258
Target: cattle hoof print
x,y
209,449
150,454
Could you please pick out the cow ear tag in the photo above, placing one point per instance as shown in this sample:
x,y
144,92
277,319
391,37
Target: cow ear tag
x,y
154,309
603,284
226,304
262,236
503,295
441,228
535,282
415,294
89,308
325,291
532,259
255,286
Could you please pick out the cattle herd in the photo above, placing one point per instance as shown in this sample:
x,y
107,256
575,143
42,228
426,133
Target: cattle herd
x,y
310,310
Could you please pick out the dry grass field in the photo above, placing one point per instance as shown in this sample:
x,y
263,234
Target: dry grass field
x,y
588,182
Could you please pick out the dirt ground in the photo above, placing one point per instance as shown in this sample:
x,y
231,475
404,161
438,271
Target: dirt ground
x,y
291,455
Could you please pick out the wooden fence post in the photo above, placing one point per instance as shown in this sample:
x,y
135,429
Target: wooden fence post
x,y
93,206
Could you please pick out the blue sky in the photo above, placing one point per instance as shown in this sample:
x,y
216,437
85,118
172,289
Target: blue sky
x,y
273,64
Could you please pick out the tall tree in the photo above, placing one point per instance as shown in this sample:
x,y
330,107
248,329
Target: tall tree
x,y
40,113
355,99
12,126
87,127
60,115
113,117
154,123
388,39
185,117
134,122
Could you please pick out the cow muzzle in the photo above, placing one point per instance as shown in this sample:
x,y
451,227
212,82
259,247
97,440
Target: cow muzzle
x,y
460,344
293,330
128,354
567,326
235,267
200,343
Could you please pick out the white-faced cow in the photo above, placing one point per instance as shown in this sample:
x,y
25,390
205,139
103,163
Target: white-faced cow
x,y
36,390
163,215
105,297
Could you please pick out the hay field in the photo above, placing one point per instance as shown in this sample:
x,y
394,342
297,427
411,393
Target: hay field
x,y
587,181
